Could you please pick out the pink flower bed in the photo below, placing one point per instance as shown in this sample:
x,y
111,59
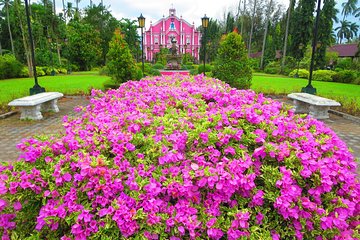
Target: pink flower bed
x,y
182,158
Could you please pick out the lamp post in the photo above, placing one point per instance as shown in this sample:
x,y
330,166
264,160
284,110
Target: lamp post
x,y
141,20
309,88
298,60
36,88
205,24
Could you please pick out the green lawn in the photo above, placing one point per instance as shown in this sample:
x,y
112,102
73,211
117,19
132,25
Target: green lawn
x,y
75,83
280,84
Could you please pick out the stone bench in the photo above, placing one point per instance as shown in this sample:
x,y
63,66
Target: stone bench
x,y
316,107
31,106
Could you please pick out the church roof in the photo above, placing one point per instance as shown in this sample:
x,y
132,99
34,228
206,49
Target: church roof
x,y
172,10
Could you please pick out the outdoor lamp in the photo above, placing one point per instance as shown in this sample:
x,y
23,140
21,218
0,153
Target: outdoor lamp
x,y
141,20
205,24
36,88
309,88
205,21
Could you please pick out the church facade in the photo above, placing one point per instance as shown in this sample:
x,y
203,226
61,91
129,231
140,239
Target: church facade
x,y
163,32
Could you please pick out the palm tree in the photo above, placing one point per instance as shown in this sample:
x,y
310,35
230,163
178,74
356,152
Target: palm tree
x,y
349,8
353,30
69,11
7,3
347,30
342,30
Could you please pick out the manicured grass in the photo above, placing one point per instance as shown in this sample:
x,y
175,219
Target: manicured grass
x,y
76,83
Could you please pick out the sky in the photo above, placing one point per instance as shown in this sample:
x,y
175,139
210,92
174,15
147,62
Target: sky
x,y
153,10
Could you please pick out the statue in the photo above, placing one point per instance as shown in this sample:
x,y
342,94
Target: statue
x,y
173,48
173,59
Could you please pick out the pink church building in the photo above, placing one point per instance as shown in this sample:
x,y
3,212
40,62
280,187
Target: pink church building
x,y
159,35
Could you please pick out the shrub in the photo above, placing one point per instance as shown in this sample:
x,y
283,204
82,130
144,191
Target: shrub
x,y
231,63
323,75
24,72
302,73
103,71
254,63
40,72
9,66
110,84
119,61
273,68
208,68
148,69
344,63
193,71
182,158
158,66
345,76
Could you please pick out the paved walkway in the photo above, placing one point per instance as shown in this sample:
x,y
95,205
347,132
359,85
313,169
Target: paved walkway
x,y
12,130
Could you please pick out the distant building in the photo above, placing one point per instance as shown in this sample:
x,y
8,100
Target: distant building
x,y
345,50
160,34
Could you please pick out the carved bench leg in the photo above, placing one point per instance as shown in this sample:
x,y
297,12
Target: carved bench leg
x,y
301,107
32,113
319,112
50,106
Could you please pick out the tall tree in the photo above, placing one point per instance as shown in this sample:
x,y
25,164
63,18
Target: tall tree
x,y
343,30
6,4
302,26
327,17
291,6
269,10
102,21
349,8
252,27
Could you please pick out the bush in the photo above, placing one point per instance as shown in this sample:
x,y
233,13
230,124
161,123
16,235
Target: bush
x,y
182,158
158,66
103,71
208,68
110,84
10,67
273,68
24,72
119,61
40,72
323,75
345,76
193,72
344,63
149,70
231,63
302,73
254,63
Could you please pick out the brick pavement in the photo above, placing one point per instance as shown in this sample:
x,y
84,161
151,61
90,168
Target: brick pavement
x,y
12,130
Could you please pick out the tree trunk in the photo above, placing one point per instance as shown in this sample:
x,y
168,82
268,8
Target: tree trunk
x,y
54,8
265,35
242,19
58,50
252,28
286,36
9,27
25,42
